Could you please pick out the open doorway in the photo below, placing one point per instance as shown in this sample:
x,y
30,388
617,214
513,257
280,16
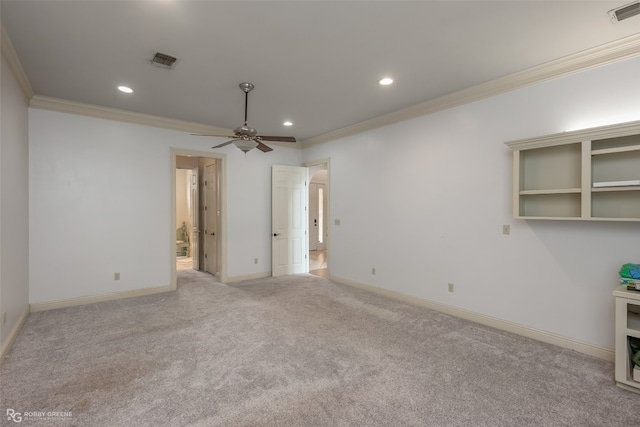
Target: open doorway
x,y
198,219
318,219
186,218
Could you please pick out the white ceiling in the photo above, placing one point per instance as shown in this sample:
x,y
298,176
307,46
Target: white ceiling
x,y
315,63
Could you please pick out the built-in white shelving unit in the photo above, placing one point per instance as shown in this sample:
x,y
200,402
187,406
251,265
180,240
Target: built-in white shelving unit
x,y
627,325
590,174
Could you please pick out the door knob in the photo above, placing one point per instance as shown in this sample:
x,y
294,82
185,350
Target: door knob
x,y
213,234
276,234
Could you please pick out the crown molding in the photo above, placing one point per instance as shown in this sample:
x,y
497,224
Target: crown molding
x,y
600,132
13,61
90,110
115,114
618,50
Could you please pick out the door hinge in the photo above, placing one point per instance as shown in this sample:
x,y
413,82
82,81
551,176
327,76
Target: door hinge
x,y
205,255
205,208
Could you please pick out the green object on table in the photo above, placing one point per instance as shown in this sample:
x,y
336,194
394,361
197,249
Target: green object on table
x,y
630,271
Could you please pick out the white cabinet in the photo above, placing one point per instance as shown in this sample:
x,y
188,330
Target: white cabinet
x,y
627,325
591,174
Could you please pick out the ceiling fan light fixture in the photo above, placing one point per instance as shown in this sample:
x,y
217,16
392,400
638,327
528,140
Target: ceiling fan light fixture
x,y
246,145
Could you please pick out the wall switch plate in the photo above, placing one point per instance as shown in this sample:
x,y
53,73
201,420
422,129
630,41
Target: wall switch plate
x,y
506,229
4,317
336,222
255,260
116,276
373,271
450,287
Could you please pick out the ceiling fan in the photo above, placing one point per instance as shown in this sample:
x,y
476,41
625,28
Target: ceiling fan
x,y
245,137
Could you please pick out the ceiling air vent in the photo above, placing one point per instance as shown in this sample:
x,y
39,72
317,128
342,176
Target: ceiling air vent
x,y
624,12
163,60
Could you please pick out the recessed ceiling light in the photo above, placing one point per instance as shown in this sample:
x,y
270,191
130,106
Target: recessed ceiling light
x,y
125,89
386,81
288,123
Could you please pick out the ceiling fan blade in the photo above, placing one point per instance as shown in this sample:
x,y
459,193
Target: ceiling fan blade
x,y
277,138
263,147
224,143
211,134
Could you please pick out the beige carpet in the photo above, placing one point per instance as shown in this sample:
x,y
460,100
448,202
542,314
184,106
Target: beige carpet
x,y
295,351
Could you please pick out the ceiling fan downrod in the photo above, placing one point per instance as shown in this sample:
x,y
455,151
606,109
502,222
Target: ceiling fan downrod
x,y
246,87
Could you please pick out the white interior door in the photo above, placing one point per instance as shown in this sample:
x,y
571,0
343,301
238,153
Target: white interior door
x,y
195,219
210,218
313,216
289,220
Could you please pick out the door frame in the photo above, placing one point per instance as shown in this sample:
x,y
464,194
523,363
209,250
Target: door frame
x,y
221,160
204,224
327,162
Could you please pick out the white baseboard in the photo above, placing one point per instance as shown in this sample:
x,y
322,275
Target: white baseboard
x,y
505,325
260,275
72,302
6,345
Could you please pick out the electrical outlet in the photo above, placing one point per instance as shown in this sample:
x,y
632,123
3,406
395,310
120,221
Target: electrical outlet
x,y
255,260
373,271
336,222
506,229
4,317
116,276
450,287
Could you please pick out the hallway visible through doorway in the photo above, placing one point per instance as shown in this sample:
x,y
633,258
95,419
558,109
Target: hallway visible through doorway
x,y
318,263
184,263
198,213
318,217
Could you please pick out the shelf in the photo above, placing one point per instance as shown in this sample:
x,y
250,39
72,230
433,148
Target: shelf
x,y
618,166
615,204
552,191
625,188
554,175
554,218
627,325
615,145
550,205
633,320
615,150
623,292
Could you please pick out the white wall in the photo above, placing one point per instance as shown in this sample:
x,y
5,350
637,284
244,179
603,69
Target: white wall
x,y
100,194
424,202
14,199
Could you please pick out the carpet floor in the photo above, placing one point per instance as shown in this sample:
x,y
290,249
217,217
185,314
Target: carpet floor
x,y
294,351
